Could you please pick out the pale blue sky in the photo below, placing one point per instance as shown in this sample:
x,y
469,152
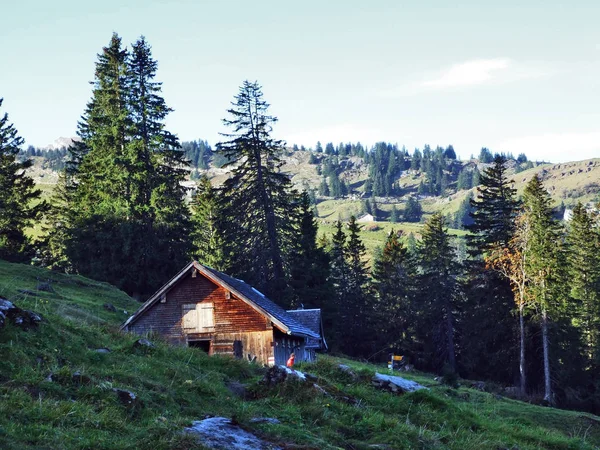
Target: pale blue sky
x,y
513,76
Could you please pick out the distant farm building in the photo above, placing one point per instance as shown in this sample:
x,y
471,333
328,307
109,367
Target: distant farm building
x,y
202,307
366,218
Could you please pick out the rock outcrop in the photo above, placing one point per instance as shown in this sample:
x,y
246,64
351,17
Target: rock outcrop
x,y
21,318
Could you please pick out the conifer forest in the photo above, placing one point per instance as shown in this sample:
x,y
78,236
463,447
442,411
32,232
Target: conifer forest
x,y
502,290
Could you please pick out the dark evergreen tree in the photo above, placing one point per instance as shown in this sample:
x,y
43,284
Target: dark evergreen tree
x,y
258,198
584,275
324,188
209,245
394,215
439,294
449,152
126,220
392,280
485,156
17,196
494,210
415,162
543,265
356,311
464,180
490,302
463,217
309,265
413,210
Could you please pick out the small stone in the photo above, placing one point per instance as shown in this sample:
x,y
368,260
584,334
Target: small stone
x,y
270,420
348,371
45,286
80,378
126,397
102,350
110,307
143,343
238,389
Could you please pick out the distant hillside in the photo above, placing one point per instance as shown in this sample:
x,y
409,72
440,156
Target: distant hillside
x,y
346,185
57,390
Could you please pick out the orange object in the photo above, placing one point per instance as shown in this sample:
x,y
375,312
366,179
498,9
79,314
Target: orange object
x,y
290,362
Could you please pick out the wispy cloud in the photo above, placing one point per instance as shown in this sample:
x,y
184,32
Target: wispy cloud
x,y
554,147
469,73
475,72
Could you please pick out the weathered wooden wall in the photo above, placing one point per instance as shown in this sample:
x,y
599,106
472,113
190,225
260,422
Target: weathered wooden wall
x,y
232,316
285,345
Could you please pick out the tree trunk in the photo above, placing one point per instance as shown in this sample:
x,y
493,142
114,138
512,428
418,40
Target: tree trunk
x,y
523,379
547,382
450,338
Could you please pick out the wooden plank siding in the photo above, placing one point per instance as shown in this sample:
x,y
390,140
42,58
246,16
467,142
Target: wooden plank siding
x,y
234,319
285,345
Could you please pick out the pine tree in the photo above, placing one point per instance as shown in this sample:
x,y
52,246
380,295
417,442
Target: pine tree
x,y
206,234
394,215
489,312
413,210
584,274
126,220
463,217
392,283
17,194
258,198
439,293
309,264
356,312
494,210
543,264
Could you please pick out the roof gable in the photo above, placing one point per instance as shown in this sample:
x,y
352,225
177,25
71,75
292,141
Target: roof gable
x,y
280,318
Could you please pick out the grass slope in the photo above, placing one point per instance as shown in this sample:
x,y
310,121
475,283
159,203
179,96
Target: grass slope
x,y
178,385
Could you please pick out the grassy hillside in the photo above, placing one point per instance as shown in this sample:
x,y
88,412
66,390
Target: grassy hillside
x,y
178,385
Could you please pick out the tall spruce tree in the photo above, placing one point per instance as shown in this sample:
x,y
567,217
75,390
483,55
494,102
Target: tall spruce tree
x,y
392,280
209,246
309,264
584,274
338,278
493,210
127,220
543,265
17,195
490,301
357,310
258,198
437,282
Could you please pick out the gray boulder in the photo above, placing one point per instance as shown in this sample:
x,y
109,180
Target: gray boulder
x,y
397,385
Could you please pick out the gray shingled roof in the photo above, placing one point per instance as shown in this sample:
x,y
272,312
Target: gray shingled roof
x,y
311,319
259,299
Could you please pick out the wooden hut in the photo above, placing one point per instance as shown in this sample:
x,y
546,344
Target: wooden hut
x,y
202,307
